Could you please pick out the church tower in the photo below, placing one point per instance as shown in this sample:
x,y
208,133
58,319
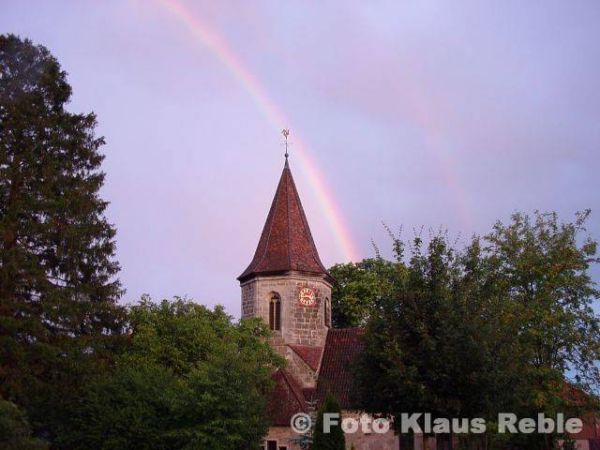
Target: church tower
x,y
286,284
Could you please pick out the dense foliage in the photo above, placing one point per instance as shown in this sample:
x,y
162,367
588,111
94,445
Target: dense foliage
x,y
15,432
86,372
191,379
58,289
492,328
357,288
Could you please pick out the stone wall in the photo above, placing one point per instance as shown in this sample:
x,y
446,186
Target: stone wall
x,y
248,299
283,436
360,440
302,325
370,441
301,371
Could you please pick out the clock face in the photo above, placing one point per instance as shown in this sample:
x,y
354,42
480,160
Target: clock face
x,y
307,297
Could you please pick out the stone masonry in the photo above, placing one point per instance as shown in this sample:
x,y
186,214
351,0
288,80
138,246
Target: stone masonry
x,y
301,325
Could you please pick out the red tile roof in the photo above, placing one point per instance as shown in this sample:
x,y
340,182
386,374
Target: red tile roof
x,y
591,428
310,355
286,399
591,421
336,376
286,242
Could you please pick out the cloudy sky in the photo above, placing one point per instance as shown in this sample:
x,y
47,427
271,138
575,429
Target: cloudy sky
x,y
416,113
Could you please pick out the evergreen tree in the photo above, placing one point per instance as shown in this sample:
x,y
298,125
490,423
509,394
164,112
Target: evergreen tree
x,y
334,440
57,273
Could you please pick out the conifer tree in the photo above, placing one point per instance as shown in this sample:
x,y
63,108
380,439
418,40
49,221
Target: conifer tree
x,y
58,289
334,439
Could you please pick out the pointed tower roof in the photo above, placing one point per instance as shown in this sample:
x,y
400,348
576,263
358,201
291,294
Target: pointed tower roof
x,y
286,243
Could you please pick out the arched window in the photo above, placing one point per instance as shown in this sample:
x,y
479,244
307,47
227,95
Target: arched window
x,y
275,312
327,312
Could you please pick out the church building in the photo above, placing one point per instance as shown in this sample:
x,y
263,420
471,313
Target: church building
x,y
288,287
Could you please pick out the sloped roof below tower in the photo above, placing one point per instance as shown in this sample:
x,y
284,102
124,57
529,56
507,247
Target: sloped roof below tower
x,y
336,375
310,355
286,399
286,243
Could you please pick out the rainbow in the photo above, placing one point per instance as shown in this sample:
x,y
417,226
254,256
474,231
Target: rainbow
x,y
275,116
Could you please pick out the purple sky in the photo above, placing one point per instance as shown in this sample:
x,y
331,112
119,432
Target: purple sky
x,y
451,114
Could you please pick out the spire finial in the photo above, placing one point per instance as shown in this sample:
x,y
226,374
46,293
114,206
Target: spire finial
x,y
286,133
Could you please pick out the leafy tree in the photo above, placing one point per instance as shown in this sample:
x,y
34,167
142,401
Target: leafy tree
x,y
543,265
334,440
494,327
15,432
426,344
57,273
137,404
191,379
357,288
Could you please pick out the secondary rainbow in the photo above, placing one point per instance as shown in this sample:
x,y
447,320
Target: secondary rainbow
x,y
274,115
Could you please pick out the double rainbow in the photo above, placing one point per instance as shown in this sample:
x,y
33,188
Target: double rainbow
x,y
212,41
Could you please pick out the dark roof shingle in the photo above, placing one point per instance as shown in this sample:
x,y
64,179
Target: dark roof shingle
x,y
310,355
285,400
336,376
286,242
